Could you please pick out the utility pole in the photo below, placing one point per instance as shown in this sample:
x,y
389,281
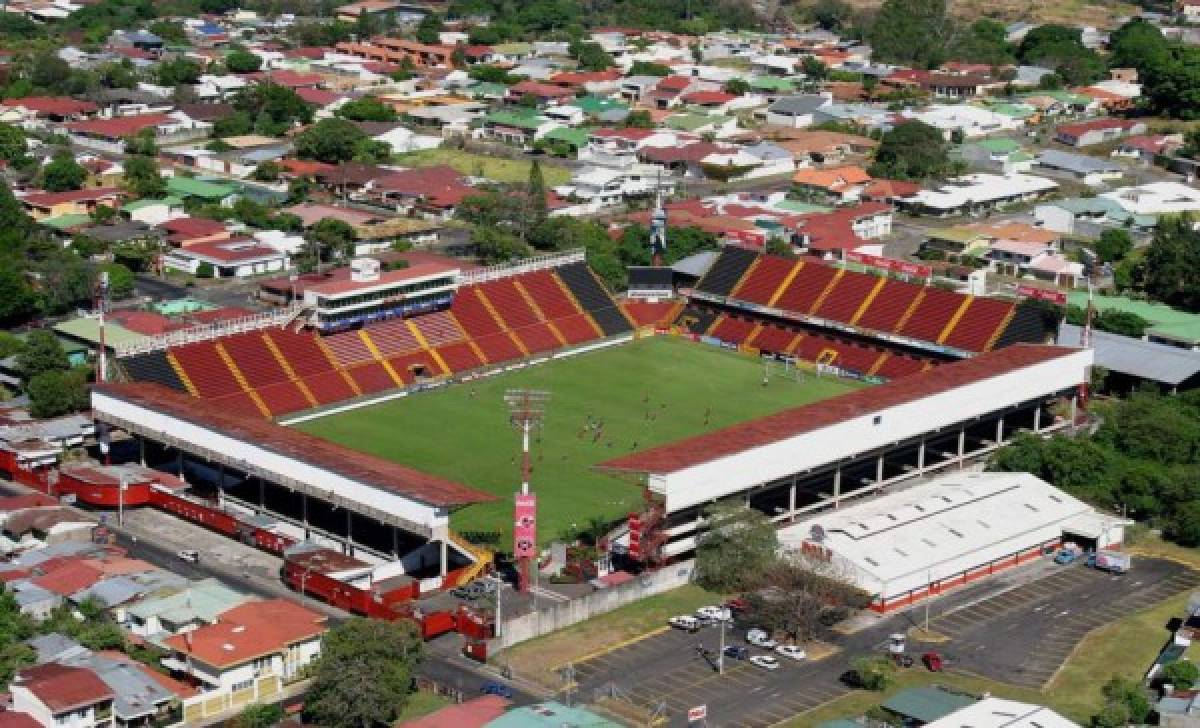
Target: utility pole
x,y
121,486
101,305
526,410
721,654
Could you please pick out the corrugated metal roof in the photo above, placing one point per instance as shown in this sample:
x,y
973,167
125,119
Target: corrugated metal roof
x,y
1134,357
926,704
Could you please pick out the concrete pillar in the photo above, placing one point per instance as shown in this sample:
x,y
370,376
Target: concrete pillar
x,y
879,471
1074,410
349,532
921,456
179,466
395,543
142,451
304,514
1000,430
1037,418
262,494
792,500
442,556
837,487
962,446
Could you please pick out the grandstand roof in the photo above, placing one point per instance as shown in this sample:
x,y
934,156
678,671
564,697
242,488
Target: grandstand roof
x,y
358,466
734,439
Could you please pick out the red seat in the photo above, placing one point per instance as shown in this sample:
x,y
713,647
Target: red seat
x,y
538,337
932,314
845,298
328,386
544,288
509,303
253,359
979,324
460,357
348,348
371,377
472,315
300,350
283,398
205,369
889,306
806,287
732,330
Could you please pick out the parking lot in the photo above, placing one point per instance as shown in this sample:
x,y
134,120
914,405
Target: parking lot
x,y
667,670
1017,628
1023,635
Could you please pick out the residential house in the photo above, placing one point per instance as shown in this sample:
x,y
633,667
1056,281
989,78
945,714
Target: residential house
x,y
255,646
978,193
832,234
47,205
232,258
619,147
839,184
1189,10
1092,171
969,121
1146,147
516,128
633,88
822,147
1157,198
543,93
1002,154
1097,131
154,211
108,135
41,112
60,695
185,231
200,603
599,187
797,112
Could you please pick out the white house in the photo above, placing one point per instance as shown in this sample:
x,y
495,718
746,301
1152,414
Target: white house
x,y
1156,198
63,696
971,121
599,187
977,193
234,258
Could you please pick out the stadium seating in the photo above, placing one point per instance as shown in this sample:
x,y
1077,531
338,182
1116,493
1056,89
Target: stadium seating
x,y
1029,323
760,284
645,313
727,270
808,285
279,371
732,329
239,403
982,321
889,306
844,300
206,370
153,366
772,338
933,313
594,299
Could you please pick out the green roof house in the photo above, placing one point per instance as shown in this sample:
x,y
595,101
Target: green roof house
x,y
185,187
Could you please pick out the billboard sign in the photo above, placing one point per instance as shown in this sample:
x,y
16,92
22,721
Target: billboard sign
x,y
890,265
525,526
1042,294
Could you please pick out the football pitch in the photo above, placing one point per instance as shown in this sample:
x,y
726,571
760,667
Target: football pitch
x,y
602,404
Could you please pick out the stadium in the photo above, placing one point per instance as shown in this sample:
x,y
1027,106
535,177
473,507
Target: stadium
x,y
360,430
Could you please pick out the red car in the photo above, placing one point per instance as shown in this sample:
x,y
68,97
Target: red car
x,y
736,604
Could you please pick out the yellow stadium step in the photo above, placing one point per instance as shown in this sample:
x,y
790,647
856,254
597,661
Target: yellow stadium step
x,y
487,303
1008,317
758,327
470,342
837,277
375,352
793,344
866,303
605,289
483,557
827,356
287,369
949,327
183,377
433,353
878,364
537,310
241,380
783,286
908,313
333,362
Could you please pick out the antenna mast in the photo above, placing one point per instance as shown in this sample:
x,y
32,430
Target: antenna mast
x,y
526,410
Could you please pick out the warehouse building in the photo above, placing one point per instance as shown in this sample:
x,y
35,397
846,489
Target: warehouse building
x,y
921,541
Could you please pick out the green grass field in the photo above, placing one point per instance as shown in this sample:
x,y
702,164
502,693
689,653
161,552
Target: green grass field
x,y
645,393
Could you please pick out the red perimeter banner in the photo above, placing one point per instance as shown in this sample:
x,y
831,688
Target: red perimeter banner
x,y
1042,294
525,527
890,264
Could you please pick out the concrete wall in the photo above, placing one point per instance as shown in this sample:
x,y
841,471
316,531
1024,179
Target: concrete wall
x,y
558,616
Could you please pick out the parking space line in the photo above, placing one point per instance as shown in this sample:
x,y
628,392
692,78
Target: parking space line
x,y
614,647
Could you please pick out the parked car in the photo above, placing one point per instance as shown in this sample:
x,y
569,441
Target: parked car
x,y
737,652
766,662
760,638
792,652
736,605
1065,556
685,622
717,614
495,688
1114,562
189,555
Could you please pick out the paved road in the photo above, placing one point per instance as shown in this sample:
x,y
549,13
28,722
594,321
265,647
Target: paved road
x,y
1018,627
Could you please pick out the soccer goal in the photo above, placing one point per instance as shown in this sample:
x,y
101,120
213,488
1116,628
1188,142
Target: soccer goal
x,y
787,370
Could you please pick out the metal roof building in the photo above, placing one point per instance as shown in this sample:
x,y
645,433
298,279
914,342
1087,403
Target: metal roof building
x,y
1145,360
922,540
1000,713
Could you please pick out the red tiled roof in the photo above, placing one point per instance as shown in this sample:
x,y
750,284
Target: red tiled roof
x,y
579,78
367,469
306,168
419,181
119,127
471,714
62,688
1083,127
544,90
707,98
144,322
317,97
52,105
250,630
193,227
14,719
233,250
69,578
799,420
49,199
21,502
673,83
219,314
290,79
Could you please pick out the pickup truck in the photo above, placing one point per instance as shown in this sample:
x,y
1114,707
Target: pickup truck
x,y
1115,562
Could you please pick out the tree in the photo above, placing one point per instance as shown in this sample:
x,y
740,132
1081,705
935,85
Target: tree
x,y
737,86
1113,245
336,238
430,28
240,61
120,280
142,177
900,22
986,41
639,120
1129,694
63,173
368,108
1172,86
259,716
736,550
43,353
298,190
646,68
205,270
17,300
873,673
1137,44
1172,264
912,150
12,144
591,56
494,245
1061,48
780,247
55,393
329,140
537,194
831,15
142,144
364,674
271,108
267,171
814,69
178,72
1181,674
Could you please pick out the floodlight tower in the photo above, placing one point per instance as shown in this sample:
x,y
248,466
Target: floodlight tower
x,y
658,228
100,306
526,409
